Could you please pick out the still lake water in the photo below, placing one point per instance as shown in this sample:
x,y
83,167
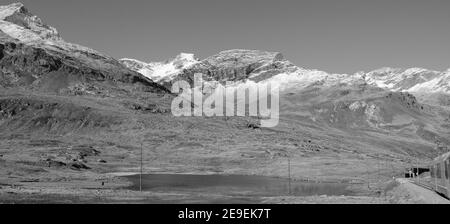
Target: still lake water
x,y
235,185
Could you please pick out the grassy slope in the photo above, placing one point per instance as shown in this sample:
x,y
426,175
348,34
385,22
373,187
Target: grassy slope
x,y
60,125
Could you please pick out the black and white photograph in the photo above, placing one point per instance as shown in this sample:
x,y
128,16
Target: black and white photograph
x,y
230,102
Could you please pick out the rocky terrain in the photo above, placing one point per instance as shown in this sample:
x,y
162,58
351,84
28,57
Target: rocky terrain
x,y
35,55
72,120
411,104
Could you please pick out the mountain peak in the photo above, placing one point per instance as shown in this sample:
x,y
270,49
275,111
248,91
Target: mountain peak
x,y
158,71
184,60
7,10
185,56
17,22
33,54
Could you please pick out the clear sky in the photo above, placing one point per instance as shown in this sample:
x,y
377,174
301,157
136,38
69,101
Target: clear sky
x,y
341,36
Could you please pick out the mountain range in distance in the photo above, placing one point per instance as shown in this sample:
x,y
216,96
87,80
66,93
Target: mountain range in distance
x,y
260,66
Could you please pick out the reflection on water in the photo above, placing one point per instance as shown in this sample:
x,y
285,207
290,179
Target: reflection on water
x,y
235,185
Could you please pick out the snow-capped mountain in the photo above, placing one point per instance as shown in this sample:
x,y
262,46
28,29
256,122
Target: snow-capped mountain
x,y
414,80
255,66
161,71
410,80
259,67
19,23
33,53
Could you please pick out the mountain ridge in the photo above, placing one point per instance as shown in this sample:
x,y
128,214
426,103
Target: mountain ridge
x,y
259,66
34,54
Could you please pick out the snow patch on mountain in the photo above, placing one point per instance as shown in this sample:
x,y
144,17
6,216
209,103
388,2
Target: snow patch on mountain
x,y
18,32
161,71
410,80
33,50
413,80
20,24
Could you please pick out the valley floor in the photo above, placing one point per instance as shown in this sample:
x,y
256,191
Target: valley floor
x,y
57,149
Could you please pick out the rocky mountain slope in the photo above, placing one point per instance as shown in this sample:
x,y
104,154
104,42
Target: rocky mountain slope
x,y
231,65
259,66
34,54
385,101
411,80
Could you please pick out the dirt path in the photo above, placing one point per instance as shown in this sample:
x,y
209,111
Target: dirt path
x,y
409,193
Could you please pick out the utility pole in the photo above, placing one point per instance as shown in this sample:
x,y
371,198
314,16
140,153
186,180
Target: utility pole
x,y
289,174
140,174
380,168
418,169
368,175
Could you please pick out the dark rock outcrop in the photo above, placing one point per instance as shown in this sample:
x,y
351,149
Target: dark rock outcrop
x,y
49,70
